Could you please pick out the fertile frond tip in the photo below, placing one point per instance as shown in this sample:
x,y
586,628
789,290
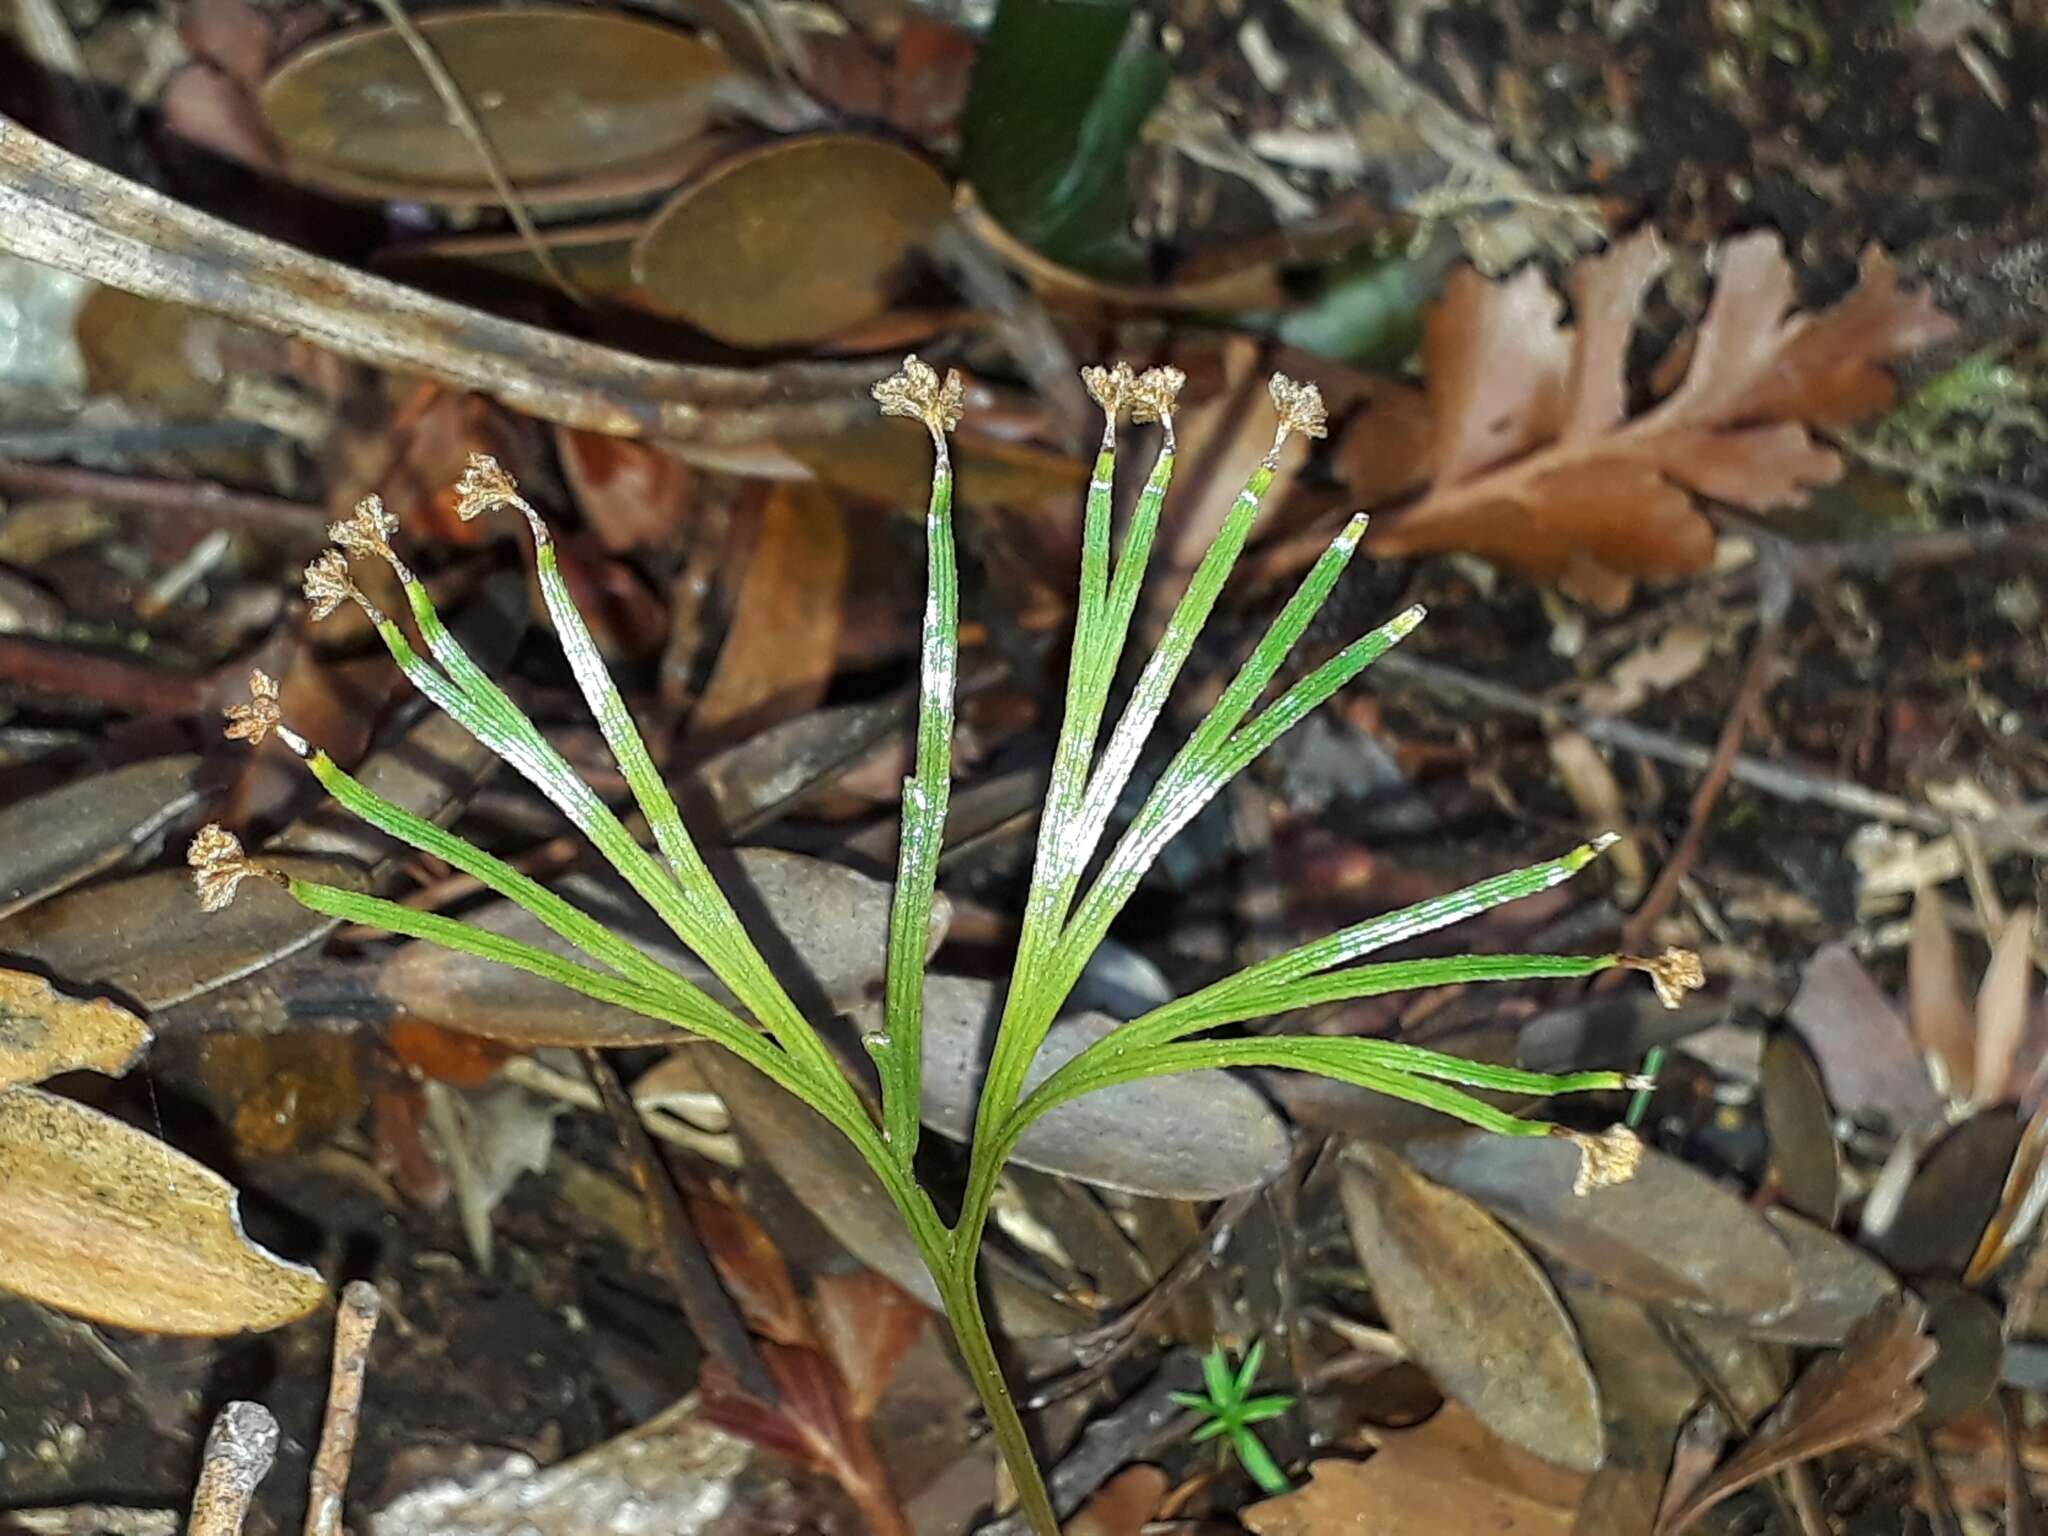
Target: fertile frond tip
x,y
328,584
1610,1158
368,532
1113,388
484,485
219,866
917,392
1673,973
1300,406
1154,395
253,721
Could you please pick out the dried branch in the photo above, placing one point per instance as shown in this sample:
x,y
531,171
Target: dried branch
x,y
239,1451
354,1323
67,213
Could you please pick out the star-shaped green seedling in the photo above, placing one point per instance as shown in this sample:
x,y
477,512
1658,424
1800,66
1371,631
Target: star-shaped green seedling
x,y
1232,1413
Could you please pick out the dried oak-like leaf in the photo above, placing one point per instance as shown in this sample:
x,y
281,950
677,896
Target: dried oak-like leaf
x,y
1866,1388
1449,1474
101,1220
43,1032
1473,1308
1535,461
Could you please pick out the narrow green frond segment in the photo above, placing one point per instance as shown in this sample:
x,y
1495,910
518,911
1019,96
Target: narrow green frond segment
x,y
1248,1372
697,913
1399,1071
1197,774
1101,629
713,1023
900,1057
1220,999
1208,1431
1072,827
1370,981
565,919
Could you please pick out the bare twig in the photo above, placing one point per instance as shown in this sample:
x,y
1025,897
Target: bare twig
x,y
67,213
1756,677
450,91
1786,783
709,1309
199,499
239,1451
354,1323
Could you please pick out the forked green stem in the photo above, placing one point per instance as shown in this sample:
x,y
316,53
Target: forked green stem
x,y
1063,923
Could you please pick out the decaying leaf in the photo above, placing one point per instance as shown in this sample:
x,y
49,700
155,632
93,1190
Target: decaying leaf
x,y
1861,1041
1864,1389
818,1422
101,1220
1669,1234
633,494
778,656
824,925
43,1032
1122,1506
577,102
1536,461
51,841
1447,1475
1194,1136
791,241
1473,1309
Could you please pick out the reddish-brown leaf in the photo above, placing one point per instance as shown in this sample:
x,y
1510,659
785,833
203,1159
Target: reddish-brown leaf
x,y
632,493
1535,461
1864,1389
867,1324
750,1265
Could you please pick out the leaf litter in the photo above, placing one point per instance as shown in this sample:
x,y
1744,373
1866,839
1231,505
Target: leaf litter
x,y
1912,1140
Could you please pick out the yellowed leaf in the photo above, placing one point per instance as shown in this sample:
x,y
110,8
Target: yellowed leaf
x,y
43,1032
101,1220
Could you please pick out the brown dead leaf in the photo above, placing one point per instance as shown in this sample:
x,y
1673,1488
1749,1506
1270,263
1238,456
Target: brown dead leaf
x,y
43,1032
1473,1308
1863,1390
2002,1009
1122,1506
1535,462
1446,1475
101,1220
778,656
817,1422
632,493
867,1324
1936,1004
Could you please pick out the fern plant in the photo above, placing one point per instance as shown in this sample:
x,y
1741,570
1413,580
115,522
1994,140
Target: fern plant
x,y
1066,913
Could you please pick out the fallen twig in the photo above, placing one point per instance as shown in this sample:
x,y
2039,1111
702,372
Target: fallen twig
x,y
1756,677
465,119
1771,778
67,213
677,1248
200,499
239,1451
354,1323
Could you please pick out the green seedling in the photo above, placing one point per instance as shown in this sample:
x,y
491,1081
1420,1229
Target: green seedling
x,y
1067,912
1232,1412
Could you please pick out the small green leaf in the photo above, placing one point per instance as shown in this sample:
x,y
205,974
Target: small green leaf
x,y
1061,91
